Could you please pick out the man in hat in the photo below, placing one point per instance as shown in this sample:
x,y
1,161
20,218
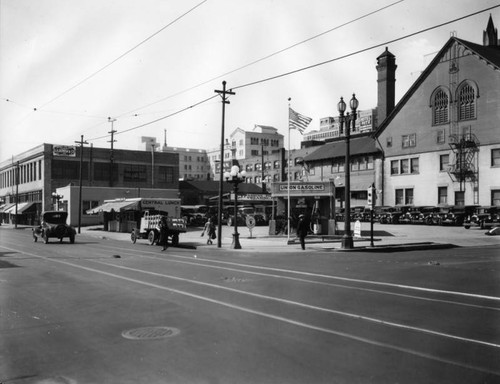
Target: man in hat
x,y
302,230
164,232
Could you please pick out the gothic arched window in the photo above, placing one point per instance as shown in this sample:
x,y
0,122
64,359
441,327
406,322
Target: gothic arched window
x,y
440,107
467,96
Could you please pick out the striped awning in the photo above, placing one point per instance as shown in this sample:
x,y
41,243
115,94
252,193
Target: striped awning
x,y
113,206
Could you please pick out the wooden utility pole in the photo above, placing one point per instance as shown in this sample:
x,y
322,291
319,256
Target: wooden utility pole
x,y
81,142
111,154
225,101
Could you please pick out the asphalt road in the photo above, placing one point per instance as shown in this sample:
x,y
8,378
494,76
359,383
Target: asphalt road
x,y
108,311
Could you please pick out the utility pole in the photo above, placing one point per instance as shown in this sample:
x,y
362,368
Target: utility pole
x,y
225,101
263,181
81,142
111,155
17,192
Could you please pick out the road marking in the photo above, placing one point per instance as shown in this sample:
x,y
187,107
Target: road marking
x,y
281,318
402,286
189,262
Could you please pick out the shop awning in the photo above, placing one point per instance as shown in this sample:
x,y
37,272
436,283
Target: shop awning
x,y
21,207
113,205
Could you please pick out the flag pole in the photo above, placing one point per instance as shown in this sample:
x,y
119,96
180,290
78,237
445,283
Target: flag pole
x,y
288,175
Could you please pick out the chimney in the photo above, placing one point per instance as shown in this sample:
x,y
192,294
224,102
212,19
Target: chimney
x,y
386,68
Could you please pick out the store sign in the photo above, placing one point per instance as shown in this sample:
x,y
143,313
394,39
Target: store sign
x,y
303,187
255,197
64,151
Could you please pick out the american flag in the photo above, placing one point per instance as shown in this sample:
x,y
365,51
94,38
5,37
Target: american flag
x,y
297,121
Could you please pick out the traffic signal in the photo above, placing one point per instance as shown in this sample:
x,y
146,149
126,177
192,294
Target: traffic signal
x,y
371,196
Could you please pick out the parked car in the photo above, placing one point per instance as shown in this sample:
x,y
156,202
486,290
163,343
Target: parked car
x,y
393,214
378,211
424,215
457,214
411,215
53,224
360,213
483,217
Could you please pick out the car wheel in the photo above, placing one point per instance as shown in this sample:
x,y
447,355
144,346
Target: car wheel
x,y
152,237
466,226
72,239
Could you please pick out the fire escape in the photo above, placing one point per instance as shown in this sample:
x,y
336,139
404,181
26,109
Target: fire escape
x,y
465,148
465,145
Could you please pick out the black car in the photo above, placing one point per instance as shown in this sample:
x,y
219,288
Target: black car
x,y
456,215
53,224
393,214
483,217
424,215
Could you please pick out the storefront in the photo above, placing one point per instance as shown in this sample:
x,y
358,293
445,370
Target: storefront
x,y
315,200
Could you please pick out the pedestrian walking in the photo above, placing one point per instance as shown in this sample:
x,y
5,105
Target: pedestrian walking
x,y
302,230
210,230
164,232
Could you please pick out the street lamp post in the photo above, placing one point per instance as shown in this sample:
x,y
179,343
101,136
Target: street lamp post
x,y
235,177
56,197
347,241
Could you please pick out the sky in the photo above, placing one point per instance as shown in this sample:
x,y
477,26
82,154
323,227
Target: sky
x,y
67,66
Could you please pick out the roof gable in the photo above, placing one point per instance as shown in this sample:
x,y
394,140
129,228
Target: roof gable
x,y
489,55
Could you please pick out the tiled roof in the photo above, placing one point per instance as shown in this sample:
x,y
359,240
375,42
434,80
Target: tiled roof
x,y
357,146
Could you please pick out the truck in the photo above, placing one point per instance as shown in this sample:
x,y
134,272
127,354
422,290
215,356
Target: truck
x,y
152,210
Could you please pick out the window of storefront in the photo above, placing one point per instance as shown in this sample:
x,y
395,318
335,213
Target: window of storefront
x,y
166,174
495,197
442,195
459,198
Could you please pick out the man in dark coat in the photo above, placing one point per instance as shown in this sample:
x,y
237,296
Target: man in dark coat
x,y
302,229
164,232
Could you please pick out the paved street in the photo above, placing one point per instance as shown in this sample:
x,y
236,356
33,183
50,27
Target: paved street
x,y
104,310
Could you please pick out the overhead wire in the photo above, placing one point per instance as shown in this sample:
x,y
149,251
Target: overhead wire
x,y
121,56
313,66
266,57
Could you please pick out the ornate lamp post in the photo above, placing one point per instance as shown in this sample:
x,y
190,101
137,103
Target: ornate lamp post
x,y
57,197
347,241
235,177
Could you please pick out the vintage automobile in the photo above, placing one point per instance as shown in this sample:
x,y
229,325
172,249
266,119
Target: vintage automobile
x,y
53,224
412,215
483,217
456,215
424,215
393,214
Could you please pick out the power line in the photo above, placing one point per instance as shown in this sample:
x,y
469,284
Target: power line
x,y
121,56
312,66
266,57
364,49
156,120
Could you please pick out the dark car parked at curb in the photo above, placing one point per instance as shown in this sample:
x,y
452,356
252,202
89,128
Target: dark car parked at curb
x,y
483,217
53,224
393,214
456,215
424,215
412,216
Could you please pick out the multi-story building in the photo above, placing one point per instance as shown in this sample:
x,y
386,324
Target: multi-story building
x,y
329,127
442,141
31,179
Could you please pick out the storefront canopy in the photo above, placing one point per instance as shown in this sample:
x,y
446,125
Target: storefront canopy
x,y
21,208
113,206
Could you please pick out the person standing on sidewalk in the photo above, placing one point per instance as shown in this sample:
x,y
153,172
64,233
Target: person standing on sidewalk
x,y
302,231
210,230
164,232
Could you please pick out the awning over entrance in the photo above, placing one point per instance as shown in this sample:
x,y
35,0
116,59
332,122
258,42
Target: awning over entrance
x,y
21,208
113,205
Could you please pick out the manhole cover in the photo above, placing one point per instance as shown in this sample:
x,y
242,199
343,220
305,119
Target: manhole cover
x,y
150,333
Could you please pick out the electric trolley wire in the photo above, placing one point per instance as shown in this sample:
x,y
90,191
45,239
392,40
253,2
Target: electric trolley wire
x,y
363,50
266,57
121,56
309,67
156,120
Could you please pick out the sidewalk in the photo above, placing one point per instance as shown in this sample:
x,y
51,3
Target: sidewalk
x,y
387,238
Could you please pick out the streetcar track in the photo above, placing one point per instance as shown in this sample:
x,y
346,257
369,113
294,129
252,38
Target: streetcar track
x,y
278,317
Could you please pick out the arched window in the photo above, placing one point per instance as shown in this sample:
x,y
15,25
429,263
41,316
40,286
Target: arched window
x,y
249,168
467,102
440,107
